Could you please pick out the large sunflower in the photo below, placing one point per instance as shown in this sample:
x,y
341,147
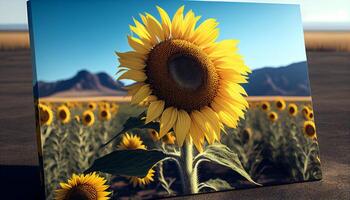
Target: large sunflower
x,y
190,81
88,187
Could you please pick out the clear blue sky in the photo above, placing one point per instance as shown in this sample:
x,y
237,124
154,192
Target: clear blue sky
x,y
74,35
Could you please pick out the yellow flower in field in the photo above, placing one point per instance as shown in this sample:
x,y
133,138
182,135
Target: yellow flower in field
x,y
265,106
63,113
310,116
153,134
105,114
45,114
190,81
280,104
273,116
130,141
144,180
77,118
104,105
92,106
309,129
88,118
305,110
292,109
114,108
246,134
84,187
169,138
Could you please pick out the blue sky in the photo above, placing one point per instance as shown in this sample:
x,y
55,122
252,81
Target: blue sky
x,y
70,35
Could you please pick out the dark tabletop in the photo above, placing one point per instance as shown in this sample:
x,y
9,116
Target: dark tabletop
x,y
330,84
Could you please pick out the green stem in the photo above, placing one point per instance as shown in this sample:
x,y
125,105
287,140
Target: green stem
x,y
190,173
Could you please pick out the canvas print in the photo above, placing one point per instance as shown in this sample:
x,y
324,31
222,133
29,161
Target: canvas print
x,y
146,99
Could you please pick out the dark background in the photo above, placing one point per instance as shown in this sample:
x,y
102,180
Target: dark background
x,y
330,84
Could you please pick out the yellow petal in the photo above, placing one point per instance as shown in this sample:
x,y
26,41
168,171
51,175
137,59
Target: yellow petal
x,y
204,125
141,94
182,126
132,89
166,23
154,28
213,119
132,63
167,120
135,75
155,109
138,45
197,136
177,23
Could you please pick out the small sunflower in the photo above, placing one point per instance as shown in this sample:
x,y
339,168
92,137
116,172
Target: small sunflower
x,y
265,106
130,141
88,118
273,116
84,187
169,138
104,105
310,115
246,135
153,134
280,104
92,106
114,108
104,114
77,118
293,109
309,129
305,110
45,114
190,81
137,181
63,113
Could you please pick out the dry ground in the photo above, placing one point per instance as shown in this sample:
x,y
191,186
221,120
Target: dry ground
x,y
330,83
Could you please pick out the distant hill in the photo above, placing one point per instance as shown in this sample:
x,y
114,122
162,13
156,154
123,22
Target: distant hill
x,y
291,80
82,84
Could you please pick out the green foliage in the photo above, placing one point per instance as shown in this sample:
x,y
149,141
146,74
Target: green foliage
x,y
127,162
222,155
216,185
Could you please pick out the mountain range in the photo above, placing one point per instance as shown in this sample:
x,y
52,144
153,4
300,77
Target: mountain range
x,y
291,80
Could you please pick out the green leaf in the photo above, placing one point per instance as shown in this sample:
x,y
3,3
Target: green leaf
x,y
223,155
135,122
127,162
216,184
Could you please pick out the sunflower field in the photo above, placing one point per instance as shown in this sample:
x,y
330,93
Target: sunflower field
x,y
276,143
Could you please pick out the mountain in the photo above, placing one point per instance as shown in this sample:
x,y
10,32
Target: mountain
x,y
291,80
82,84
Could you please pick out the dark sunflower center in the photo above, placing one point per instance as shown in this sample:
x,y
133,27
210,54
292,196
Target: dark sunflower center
x,y
104,113
279,104
88,118
182,75
185,71
45,116
63,114
264,106
310,130
82,192
291,110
